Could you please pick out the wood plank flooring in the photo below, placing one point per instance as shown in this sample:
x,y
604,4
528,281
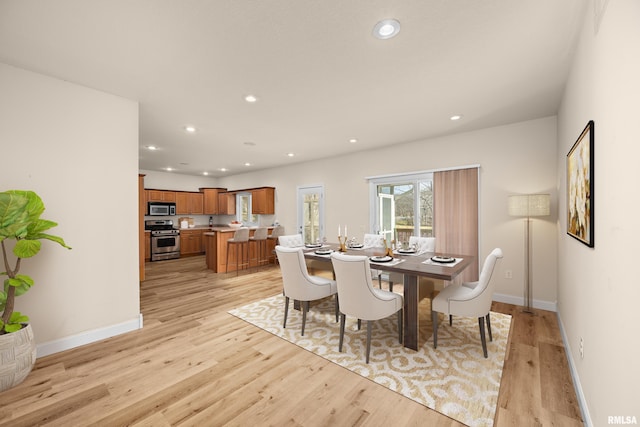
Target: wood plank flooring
x,y
195,365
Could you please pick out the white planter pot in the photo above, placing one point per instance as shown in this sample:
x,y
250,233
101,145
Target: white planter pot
x,y
17,357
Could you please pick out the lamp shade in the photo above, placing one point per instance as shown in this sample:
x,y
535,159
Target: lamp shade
x,y
529,205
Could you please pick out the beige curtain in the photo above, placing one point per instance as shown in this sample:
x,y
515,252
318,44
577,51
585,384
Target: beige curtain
x,y
455,195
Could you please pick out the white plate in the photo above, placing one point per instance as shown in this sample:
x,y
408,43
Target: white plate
x,y
313,245
323,251
357,246
443,259
385,258
406,251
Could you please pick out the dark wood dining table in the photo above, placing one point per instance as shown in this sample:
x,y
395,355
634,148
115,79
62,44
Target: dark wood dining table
x,y
411,268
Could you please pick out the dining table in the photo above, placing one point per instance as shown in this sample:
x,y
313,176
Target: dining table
x,y
435,265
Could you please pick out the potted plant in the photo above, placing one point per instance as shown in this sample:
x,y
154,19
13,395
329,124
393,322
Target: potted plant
x,y
20,223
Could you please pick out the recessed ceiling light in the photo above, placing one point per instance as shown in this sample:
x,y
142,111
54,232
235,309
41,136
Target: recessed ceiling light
x,y
251,98
353,140
190,129
386,29
205,173
247,164
455,117
223,169
151,147
169,169
290,154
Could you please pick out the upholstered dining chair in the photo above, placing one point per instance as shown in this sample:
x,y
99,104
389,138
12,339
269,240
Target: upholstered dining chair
x,y
291,241
358,297
422,245
299,285
370,240
469,299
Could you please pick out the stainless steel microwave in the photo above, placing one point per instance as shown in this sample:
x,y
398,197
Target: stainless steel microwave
x,y
162,209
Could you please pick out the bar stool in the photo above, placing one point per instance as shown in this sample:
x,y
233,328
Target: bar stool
x,y
260,239
277,231
241,240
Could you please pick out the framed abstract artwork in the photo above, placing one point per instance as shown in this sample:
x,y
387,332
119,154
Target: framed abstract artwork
x,y
580,187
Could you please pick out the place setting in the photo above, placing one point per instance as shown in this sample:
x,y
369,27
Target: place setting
x,y
444,261
385,259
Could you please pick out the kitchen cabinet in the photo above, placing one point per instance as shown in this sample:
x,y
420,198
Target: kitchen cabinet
x,y
147,246
161,196
191,242
227,203
189,203
263,200
211,200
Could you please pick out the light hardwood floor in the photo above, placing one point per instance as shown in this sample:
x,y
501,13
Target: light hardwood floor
x,y
193,364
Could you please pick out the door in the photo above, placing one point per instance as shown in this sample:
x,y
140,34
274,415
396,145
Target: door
x,y
311,213
387,215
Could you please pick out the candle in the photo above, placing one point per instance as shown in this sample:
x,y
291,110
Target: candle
x,y
345,231
338,230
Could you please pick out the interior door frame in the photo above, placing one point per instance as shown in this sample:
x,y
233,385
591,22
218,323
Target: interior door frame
x,y
310,189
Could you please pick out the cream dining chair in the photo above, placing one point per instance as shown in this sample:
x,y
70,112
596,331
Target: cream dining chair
x,y
291,241
422,245
358,297
370,240
470,299
299,285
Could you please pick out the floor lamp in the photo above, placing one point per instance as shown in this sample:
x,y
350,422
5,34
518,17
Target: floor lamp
x,y
528,205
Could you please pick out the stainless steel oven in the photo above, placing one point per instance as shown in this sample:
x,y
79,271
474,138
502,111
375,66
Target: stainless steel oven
x,y
165,240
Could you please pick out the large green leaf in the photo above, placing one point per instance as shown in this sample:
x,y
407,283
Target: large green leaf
x,y
21,282
12,214
27,248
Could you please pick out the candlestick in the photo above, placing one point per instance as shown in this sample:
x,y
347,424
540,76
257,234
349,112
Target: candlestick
x,y
343,246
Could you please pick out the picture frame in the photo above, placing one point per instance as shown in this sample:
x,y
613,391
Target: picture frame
x,y
580,177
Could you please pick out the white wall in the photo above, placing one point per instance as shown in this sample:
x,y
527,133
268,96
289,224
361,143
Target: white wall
x,y
518,158
598,290
51,133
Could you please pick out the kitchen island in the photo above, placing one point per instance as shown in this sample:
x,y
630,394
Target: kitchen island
x,y
216,248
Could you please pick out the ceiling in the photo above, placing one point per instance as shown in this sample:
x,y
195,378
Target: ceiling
x,y
320,76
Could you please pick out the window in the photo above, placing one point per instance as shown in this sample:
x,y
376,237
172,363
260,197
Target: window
x,y
243,209
402,206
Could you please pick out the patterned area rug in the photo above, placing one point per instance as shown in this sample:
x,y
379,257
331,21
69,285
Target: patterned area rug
x,y
455,379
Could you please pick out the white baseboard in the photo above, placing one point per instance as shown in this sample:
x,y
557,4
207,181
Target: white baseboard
x,y
542,305
88,337
582,401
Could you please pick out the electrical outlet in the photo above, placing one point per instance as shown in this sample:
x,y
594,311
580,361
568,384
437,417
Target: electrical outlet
x,y
581,348
508,274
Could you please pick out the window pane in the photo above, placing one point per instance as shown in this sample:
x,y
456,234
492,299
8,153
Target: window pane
x,y
412,213
426,208
311,217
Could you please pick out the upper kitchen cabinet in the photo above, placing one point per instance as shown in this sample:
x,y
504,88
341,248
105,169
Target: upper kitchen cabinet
x,y
263,200
227,203
161,196
211,200
189,203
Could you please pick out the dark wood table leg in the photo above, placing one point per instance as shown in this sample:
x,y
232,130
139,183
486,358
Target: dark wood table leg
x,y
411,312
